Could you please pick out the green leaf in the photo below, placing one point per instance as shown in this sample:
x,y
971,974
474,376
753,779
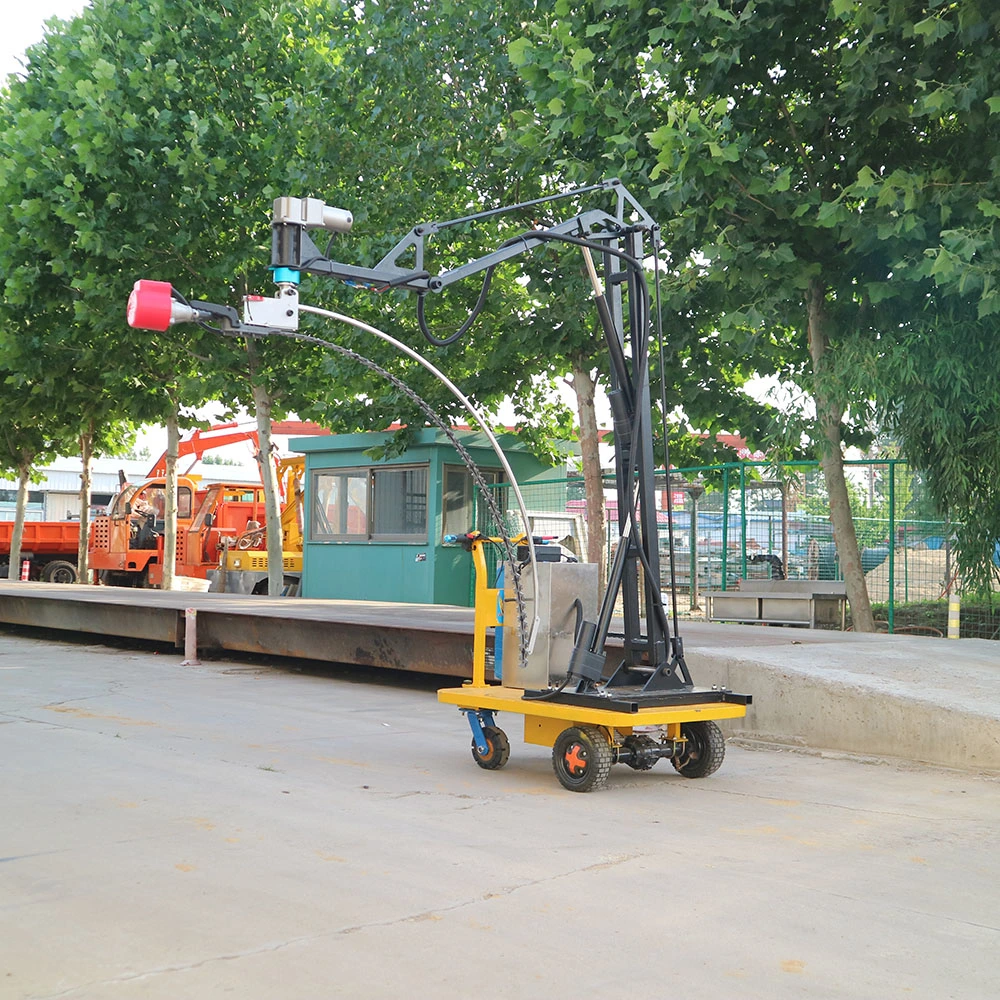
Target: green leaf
x,y
581,57
932,28
519,51
830,214
867,178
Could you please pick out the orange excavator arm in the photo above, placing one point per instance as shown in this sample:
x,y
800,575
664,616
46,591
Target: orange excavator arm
x,y
201,441
219,435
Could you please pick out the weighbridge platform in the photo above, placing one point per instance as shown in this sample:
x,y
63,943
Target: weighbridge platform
x,y
427,638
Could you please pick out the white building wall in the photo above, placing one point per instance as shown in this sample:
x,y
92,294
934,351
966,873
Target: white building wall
x,y
62,506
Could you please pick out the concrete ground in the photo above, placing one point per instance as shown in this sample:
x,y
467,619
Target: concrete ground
x,y
236,829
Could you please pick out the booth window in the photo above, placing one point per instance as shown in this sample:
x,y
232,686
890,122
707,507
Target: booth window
x,y
340,504
357,505
400,504
459,491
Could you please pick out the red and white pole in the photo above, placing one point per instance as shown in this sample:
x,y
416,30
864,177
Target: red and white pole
x,y
25,569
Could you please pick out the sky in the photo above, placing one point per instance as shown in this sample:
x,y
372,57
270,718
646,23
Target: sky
x,y
24,24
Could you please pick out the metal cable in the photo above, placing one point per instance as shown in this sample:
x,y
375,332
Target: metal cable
x,y
525,634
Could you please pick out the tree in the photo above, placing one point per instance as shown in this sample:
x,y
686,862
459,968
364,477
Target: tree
x,y
460,160
25,439
149,138
804,155
67,402
945,407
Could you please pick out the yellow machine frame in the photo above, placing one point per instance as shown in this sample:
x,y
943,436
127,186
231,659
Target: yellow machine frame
x,y
237,559
548,722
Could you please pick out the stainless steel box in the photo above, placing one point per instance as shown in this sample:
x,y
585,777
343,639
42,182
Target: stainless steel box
x,y
559,586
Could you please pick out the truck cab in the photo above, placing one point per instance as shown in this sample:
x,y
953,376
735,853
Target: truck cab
x,y
126,545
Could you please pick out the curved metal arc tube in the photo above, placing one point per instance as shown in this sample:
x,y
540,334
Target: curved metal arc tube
x,y
474,413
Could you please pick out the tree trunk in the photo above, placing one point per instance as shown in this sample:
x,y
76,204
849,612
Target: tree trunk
x,y
170,515
584,386
86,454
272,499
829,413
23,477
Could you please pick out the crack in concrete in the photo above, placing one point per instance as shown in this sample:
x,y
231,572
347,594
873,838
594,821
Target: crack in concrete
x,y
819,804
150,973
343,931
933,915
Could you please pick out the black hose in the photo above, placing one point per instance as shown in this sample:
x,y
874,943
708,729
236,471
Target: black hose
x,y
639,376
548,694
464,328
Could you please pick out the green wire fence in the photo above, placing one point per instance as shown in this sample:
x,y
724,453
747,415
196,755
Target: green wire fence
x,y
743,521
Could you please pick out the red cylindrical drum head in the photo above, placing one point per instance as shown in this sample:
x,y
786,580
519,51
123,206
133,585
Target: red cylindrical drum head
x,y
150,304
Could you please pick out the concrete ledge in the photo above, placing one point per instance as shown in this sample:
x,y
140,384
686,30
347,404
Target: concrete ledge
x,y
921,699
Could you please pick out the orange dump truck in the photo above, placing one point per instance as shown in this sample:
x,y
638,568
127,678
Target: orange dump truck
x,y
50,547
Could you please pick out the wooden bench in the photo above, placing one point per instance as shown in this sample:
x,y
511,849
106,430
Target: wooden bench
x,y
780,602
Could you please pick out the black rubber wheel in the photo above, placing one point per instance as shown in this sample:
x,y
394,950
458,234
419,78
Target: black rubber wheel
x,y
581,758
704,752
59,571
497,749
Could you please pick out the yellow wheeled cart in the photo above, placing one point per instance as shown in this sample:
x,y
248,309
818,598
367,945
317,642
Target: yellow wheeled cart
x,y
594,727
586,741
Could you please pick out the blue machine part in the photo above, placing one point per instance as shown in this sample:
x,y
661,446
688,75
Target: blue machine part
x,y
286,274
498,634
478,719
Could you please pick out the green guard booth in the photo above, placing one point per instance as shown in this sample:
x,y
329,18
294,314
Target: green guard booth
x,y
374,530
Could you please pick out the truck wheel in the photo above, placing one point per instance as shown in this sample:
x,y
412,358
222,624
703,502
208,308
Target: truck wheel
x,y
59,571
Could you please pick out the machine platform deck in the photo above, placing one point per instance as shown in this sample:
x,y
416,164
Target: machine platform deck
x,y
587,740
501,699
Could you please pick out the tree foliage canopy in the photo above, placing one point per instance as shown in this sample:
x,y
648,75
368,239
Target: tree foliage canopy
x,y
826,174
